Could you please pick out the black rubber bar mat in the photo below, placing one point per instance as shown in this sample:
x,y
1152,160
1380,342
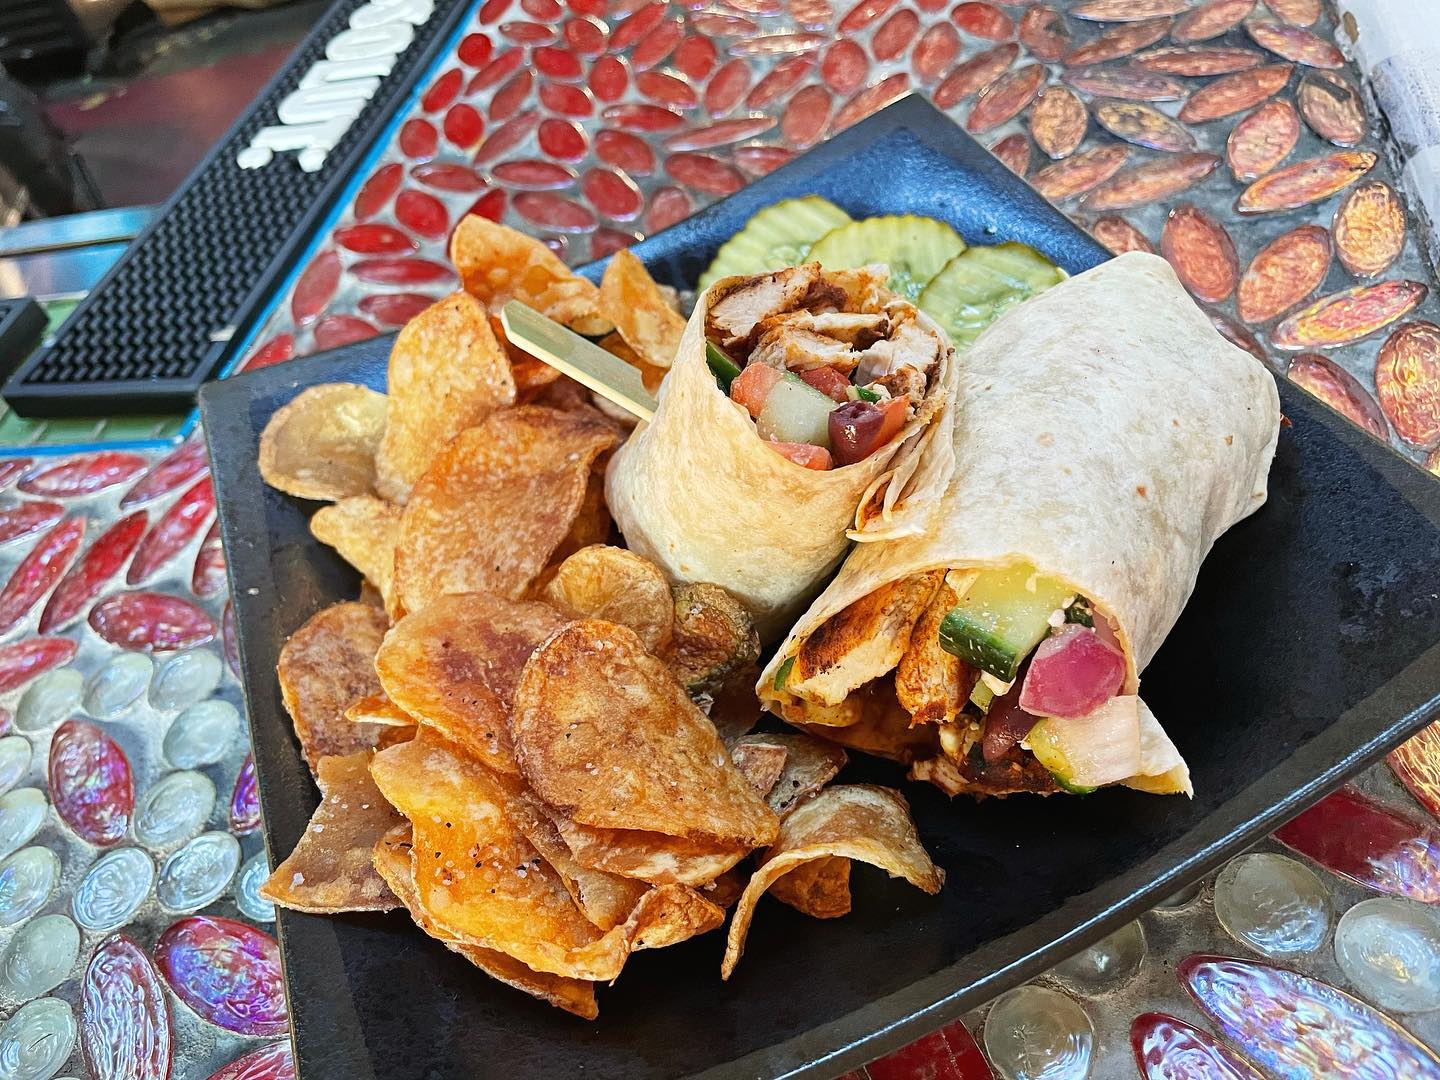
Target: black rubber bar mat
x,y
167,315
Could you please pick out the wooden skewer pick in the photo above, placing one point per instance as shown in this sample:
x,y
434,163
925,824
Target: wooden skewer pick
x,y
582,360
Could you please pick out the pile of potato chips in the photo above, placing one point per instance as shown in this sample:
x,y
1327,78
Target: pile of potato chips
x,y
524,736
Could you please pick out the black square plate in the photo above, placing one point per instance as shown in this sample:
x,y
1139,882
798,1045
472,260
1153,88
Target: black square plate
x,y
1308,649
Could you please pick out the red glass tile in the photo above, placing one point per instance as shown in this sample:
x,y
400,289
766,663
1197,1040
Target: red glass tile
x,y
374,238
551,211
474,50
443,91
564,139
782,79
315,286
444,176
608,78
418,140
1350,834
376,191
613,194
667,206
702,172
624,151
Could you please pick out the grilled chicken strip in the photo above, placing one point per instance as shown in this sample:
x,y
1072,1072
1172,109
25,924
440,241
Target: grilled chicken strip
x,y
733,318
932,684
861,643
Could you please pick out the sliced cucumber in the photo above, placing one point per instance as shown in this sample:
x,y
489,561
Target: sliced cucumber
x,y
777,236
724,369
862,393
981,284
982,696
1080,612
795,412
1001,618
915,249
1053,759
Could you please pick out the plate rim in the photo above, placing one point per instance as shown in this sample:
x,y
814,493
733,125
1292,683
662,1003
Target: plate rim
x,y
892,1021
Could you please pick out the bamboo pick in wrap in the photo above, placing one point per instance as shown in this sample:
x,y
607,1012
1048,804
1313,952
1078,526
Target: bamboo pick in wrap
x,y
586,363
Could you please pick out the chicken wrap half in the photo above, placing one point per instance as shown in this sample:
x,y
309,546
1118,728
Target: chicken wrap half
x,y
804,407
1105,436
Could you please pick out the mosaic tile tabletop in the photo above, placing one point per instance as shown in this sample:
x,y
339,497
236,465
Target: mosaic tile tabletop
x,y
1228,135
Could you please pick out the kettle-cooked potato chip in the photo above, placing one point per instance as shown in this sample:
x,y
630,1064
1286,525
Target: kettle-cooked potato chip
x,y
760,763
604,734
591,526
483,883
715,638
641,313
378,709
392,861
819,888
497,264
852,821
322,443
454,666
605,899
447,372
326,666
364,530
647,856
810,764
614,584
733,709
330,869
476,876
496,503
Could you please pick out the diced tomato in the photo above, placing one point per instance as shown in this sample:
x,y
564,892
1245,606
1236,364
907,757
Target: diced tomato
x,y
753,385
828,380
1072,674
859,428
803,454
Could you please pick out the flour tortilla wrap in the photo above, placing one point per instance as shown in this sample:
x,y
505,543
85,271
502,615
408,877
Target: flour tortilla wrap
x,y
699,493
1105,434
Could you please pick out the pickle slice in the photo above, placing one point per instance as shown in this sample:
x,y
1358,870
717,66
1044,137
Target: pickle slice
x,y
777,236
914,248
981,284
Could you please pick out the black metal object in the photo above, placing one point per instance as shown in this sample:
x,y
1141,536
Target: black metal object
x,y
162,321
36,28
1308,649
22,322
